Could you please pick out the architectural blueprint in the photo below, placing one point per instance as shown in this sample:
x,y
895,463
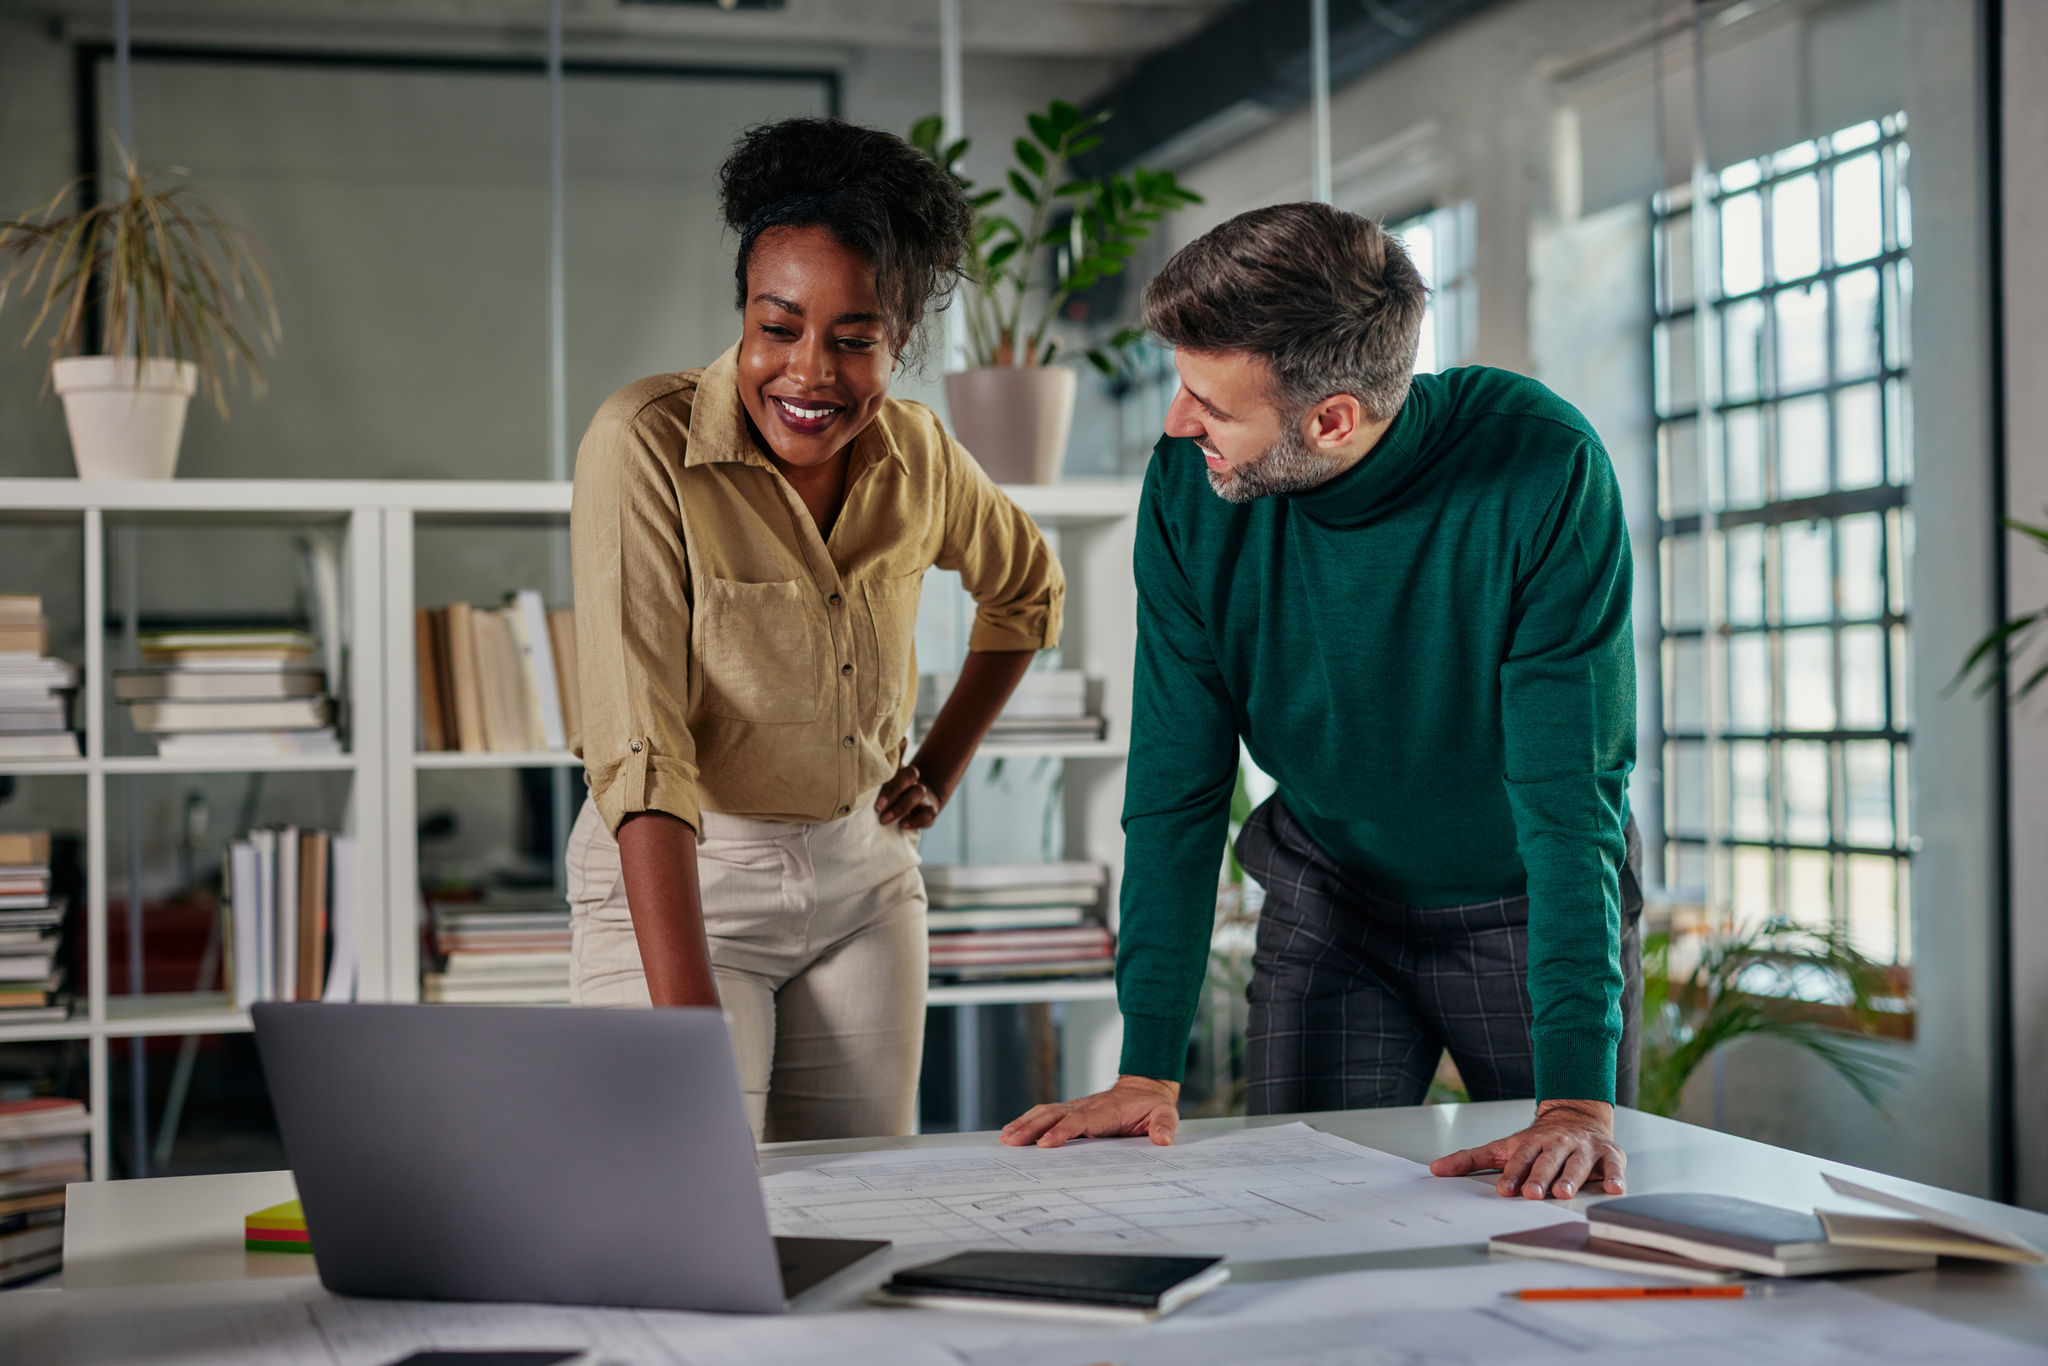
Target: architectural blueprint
x,y
1285,1191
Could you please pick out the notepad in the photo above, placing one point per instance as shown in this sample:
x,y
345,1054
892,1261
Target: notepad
x,y
281,1228
1099,1285
1929,1229
1574,1242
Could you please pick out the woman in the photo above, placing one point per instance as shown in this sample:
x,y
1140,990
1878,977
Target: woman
x,y
748,542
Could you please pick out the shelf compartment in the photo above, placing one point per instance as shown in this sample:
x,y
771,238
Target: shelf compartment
x,y
181,1012
34,768
28,1031
232,763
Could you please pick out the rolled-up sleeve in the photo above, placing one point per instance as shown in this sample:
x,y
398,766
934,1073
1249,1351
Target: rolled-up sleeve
x,y
1002,558
632,625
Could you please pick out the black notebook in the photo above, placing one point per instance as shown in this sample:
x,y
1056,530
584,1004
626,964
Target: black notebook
x,y
1069,1284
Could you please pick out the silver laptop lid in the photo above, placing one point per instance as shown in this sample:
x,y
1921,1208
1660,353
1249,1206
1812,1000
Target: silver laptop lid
x,y
531,1154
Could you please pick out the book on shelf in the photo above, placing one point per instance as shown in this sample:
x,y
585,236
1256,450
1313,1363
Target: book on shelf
x,y
1017,972
229,645
505,945
496,680
35,689
430,662
42,1117
289,713
940,919
254,744
969,877
245,692
1049,706
257,682
289,916
42,1150
31,931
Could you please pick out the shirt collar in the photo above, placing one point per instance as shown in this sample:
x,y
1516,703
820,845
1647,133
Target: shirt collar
x,y
1403,452
719,433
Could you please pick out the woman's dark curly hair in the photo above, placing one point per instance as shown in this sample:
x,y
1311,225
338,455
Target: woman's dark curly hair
x,y
874,192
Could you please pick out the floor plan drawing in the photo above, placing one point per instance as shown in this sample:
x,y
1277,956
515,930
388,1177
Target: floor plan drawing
x,y
1273,1192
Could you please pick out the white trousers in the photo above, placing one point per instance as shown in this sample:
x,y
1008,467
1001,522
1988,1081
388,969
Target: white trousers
x,y
818,946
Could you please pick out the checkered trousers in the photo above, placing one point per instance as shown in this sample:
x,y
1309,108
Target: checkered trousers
x,y
1354,997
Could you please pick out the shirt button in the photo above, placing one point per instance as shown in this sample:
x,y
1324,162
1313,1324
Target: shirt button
x,y
847,742
834,599
634,746
846,670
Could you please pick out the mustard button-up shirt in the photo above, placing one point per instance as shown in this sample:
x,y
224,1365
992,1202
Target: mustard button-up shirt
x,y
729,656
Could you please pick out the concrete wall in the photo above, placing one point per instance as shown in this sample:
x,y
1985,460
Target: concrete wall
x,y
1480,114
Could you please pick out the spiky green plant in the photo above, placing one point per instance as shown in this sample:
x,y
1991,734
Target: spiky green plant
x,y
1087,226
1997,653
166,275
1761,982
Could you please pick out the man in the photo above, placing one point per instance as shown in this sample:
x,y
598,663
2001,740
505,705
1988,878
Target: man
x,y
1409,596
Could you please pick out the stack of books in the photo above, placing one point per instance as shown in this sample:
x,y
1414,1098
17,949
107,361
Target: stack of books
x,y
289,916
497,679
507,946
31,925
1705,1238
35,721
230,692
1049,706
42,1148
1007,920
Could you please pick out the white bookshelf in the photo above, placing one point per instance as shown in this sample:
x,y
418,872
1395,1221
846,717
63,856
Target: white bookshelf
x,y
380,521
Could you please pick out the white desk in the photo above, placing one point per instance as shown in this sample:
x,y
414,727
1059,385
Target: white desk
x,y
189,1229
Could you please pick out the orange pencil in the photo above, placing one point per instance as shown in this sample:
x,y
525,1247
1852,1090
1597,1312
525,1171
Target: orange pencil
x,y
1642,1292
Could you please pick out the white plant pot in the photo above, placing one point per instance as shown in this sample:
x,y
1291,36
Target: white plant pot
x,y
122,428
1014,420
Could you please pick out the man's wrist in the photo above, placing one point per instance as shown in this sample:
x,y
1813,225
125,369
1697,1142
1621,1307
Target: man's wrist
x,y
1170,1090
1589,1109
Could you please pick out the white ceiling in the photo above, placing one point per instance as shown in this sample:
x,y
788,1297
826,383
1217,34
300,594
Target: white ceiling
x,y
1111,29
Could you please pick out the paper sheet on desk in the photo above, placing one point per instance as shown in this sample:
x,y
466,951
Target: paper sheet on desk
x,y
1284,1191
1458,1316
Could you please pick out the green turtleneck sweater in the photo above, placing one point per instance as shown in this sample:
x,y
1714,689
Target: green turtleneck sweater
x,y
1431,654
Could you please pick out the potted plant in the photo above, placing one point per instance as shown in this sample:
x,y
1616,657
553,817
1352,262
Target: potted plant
x,y
180,302
1808,988
1995,655
1014,407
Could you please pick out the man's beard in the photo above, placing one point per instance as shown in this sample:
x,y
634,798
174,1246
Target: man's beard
x,y
1286,466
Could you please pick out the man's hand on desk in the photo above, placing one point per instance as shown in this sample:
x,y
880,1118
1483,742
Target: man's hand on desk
x,y
1134,1106
1570,1141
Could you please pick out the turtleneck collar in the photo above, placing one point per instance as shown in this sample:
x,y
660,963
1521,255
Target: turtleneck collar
x,y
1403,453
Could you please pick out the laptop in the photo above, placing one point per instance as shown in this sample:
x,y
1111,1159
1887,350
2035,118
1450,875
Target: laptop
x,y
529,1154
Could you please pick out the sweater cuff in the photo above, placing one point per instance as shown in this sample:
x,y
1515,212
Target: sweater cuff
x,y
1155,1046
1575,1066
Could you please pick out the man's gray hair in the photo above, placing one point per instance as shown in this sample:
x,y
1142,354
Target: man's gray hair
x,y
1328,299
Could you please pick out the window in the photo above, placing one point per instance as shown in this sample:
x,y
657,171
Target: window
x,y
1439,242
1783,631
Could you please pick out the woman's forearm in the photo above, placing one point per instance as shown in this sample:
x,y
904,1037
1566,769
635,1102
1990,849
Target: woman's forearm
x,y
986,681
658,859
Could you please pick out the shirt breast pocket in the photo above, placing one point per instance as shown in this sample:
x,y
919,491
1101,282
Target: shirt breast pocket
x,y
762,650
892,609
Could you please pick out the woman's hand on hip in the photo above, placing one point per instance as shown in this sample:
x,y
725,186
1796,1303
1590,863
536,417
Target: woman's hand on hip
x,y
907,799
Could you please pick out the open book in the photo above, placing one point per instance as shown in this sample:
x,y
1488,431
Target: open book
x,y
1928,1230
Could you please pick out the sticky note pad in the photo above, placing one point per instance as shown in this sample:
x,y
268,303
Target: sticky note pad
x,y
281,1228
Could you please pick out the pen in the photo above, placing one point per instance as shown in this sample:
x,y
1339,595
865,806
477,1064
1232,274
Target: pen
x,y
1643,1292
